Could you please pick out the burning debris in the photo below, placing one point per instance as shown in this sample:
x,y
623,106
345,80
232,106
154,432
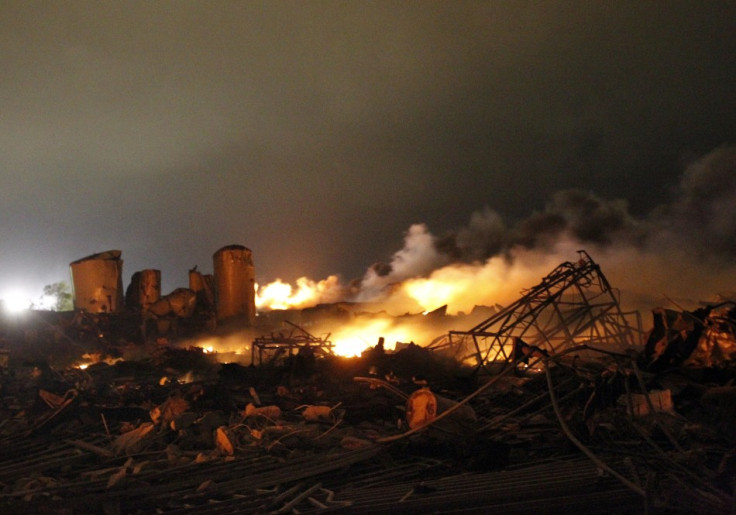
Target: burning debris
x,y
297,342
555,390
573,305
704,338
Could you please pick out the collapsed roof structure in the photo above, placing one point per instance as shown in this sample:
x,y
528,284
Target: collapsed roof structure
x,y
573,305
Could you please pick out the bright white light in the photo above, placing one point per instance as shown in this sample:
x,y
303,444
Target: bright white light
x,y
46,302
15,301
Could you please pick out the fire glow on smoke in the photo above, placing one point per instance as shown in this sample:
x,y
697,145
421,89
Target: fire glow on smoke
x,y
460,287
683,250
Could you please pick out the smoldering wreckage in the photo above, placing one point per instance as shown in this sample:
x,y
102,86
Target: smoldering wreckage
x,y
558,402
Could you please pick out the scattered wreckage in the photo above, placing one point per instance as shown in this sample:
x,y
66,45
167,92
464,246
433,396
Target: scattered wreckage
x,y
558,402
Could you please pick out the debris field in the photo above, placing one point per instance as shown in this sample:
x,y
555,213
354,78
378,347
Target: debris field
x,y
559,402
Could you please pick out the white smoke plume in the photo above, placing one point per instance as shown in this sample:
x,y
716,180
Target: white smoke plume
x,y
418,257
681,252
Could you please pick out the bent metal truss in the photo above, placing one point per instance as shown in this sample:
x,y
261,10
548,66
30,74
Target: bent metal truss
x,y
573,305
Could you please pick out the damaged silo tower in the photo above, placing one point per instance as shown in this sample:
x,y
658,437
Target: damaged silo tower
x,y
235,293
98,282
144,289
203,286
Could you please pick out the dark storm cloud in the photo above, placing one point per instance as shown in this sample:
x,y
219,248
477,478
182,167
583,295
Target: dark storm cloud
x,y
316,133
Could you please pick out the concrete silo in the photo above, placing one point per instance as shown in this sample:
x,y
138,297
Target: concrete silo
x,y
235,293
98,282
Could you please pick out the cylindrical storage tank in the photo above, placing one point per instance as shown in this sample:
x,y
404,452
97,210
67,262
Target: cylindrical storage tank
x,y
98,282
144,289
235,283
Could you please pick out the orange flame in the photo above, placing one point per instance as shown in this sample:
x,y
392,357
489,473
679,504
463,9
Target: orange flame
x,y
281,295
459,286
351,340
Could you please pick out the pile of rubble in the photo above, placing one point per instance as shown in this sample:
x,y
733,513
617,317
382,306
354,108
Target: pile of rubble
x,y
509,415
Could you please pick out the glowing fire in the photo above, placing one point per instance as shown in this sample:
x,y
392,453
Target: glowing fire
x,y
281,295
92,358
459,286
353,339
349,339
463,286
234,348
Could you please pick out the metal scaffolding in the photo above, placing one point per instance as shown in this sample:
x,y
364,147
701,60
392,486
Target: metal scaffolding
x,y
297,340
573,305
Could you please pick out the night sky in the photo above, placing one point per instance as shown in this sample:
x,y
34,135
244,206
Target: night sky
x,y
318,134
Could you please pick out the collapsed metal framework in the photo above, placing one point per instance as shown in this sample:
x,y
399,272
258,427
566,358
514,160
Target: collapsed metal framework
x,y
572,305
297,340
